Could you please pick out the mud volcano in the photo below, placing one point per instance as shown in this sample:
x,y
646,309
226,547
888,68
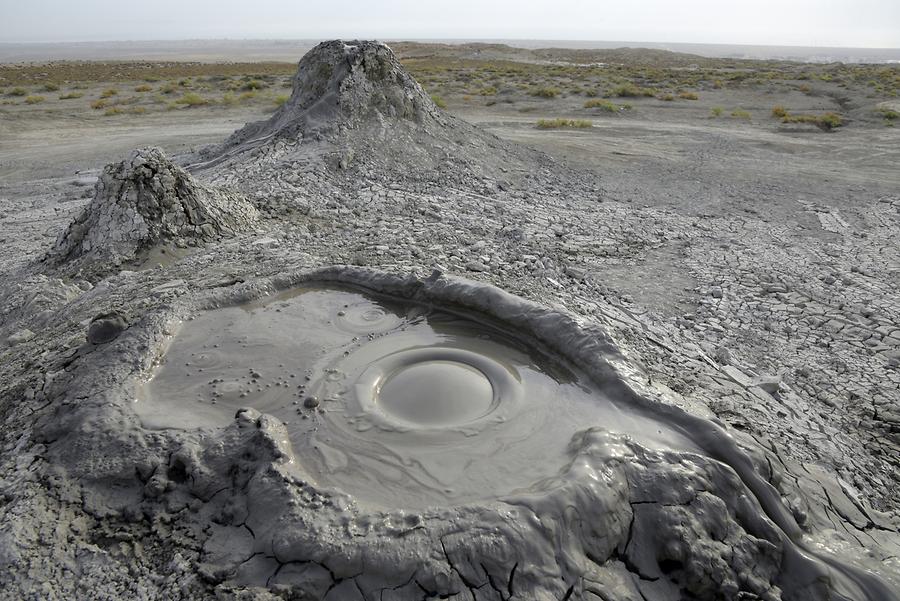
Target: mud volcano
x,y
398,404
443,438
346,434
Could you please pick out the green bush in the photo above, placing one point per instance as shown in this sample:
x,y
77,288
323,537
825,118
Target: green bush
x,y
439,101
629,90
605,105
34,99
689,96
143,88
18,92
715,111
192,99
563,123
51,87
109,93
779,112
281,99
545,92
826,121
740,114
70,95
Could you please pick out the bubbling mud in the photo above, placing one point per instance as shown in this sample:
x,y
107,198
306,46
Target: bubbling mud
x,y
397,404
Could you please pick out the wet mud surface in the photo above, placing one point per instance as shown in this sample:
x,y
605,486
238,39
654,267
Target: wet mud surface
x,y
400,405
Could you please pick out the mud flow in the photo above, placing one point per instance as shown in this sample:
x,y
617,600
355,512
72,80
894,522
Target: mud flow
x,y
398,404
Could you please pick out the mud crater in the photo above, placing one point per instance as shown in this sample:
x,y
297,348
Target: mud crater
x,y
396,403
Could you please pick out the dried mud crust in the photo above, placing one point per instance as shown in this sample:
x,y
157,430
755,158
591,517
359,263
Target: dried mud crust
x,y
143,201
93,506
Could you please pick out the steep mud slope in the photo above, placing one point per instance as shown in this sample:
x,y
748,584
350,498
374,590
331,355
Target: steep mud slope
x,y
144,201
354,108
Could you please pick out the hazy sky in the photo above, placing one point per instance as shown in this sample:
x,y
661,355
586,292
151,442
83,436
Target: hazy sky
x,y
863,23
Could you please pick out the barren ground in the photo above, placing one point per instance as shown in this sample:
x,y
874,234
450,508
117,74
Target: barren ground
x,y
760,258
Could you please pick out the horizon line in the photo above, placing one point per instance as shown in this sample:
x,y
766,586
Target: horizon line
x,y
426,40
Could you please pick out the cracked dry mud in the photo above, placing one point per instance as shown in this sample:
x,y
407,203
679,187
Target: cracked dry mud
x,y
246,419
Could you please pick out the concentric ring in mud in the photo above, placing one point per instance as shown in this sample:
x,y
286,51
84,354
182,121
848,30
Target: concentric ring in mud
x,y
365,319
435,387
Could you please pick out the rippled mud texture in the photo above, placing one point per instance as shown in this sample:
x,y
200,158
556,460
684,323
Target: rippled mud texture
x,y
357,468
397,404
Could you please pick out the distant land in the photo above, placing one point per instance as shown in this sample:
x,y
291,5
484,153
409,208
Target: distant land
x,y
292,50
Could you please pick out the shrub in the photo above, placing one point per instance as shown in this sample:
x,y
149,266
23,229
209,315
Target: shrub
x,y
605,105
169,88
281,99
830,121
488,91
143,88
545,92
228,99
113,110
826,121
34,99
137,110
689,96
18,92
192,99
740,114
779,112
439,101
51,87
109,93
629,90
666,97
98,104
247,96
70,95
715,111
253,84
889,114
563,123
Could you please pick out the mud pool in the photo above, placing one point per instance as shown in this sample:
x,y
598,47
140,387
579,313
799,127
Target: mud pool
x,y
395,403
